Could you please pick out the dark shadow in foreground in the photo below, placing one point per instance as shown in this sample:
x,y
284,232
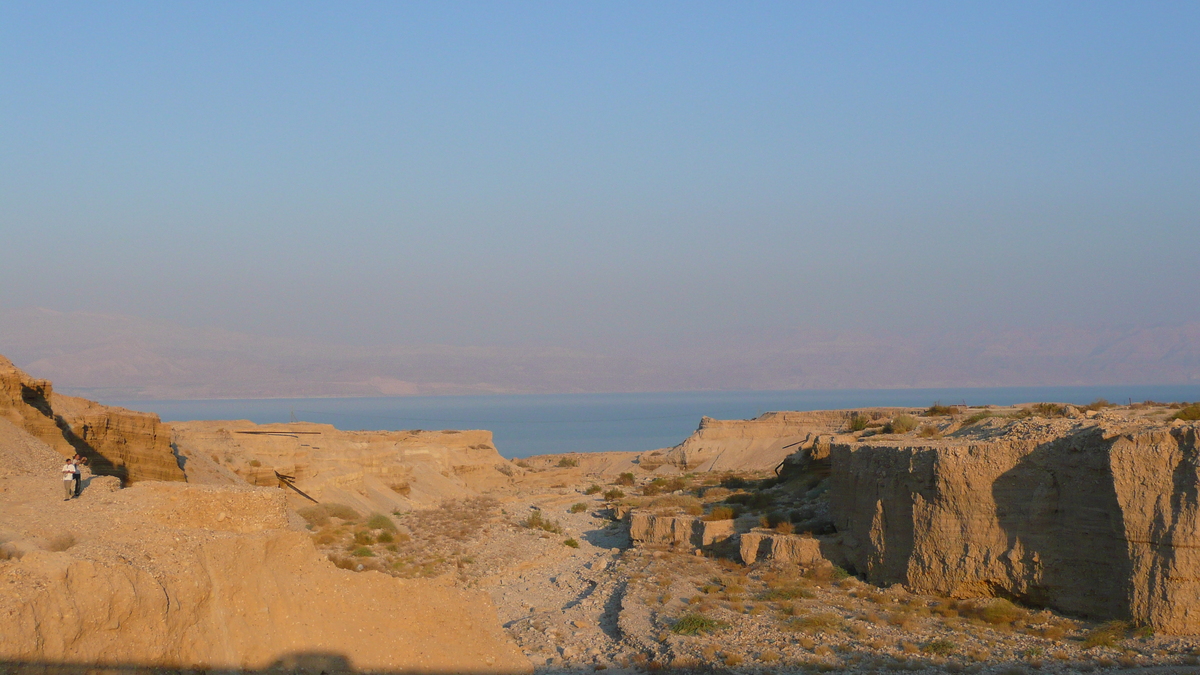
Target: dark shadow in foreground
x,y
307,663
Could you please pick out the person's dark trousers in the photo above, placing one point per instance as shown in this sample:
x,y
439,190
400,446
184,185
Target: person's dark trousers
x,y
78,484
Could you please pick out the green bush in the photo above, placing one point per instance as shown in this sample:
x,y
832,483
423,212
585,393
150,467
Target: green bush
x,y
625,479
613,494
593,489
901,424
363,552
578,507
363,538
379,521
571,542
1190,413
385,537
858,422
697,624
567,463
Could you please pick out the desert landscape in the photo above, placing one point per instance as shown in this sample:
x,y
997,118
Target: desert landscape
x,y
1042,537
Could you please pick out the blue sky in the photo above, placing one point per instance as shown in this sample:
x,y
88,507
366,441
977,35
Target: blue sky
x,y
595,175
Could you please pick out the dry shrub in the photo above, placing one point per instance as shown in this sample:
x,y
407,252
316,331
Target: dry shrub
x,y
613,494
402,489
567,463
578,507
939,410
998,612
324,538
686,503
929,431
593,489
626,479
768,656
61,542
721,513
319,514
254,463
1106,635
732,660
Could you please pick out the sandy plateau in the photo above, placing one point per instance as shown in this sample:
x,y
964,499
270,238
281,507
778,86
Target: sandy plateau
x,y
1038,538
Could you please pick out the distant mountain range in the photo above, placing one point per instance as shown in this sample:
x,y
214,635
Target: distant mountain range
x,y
122,357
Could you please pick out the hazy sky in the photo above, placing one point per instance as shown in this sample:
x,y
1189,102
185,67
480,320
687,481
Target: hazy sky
x,y
601,175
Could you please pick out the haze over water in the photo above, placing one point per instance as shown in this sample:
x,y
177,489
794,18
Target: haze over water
x,y
532,425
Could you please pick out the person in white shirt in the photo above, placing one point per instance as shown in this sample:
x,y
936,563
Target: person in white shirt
x,y
68,472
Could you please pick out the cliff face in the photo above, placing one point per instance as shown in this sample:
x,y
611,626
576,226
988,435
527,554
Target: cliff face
x,y
368,470
131,445
1092,517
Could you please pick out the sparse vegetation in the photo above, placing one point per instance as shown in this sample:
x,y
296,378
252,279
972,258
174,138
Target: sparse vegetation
x,y
578,507
978,417
613,494
536,521
363,552
697,624
255,463
626,479
939,410
858,422
687,503
1106,635
940,647
571,542
593,489
1098,404
319,514
567,463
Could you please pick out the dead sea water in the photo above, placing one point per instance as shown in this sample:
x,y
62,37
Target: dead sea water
x,y
526,425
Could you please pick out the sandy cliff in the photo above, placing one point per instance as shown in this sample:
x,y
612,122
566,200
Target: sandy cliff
x,y
1091,516
130,445
369,470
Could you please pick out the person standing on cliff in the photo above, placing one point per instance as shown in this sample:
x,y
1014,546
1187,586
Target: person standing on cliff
x,y
69,472
79,461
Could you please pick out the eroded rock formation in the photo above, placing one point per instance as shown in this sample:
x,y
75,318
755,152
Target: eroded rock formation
x,y
1096,517
130,445
368,470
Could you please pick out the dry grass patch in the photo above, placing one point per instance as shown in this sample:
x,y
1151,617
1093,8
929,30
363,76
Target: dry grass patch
x,y
319,514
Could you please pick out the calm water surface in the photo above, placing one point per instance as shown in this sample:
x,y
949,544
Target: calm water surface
x,y
537,424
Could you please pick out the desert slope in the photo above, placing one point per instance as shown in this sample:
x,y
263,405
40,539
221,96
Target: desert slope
x,y
207,577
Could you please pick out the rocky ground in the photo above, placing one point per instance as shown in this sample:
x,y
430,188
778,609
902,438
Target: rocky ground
x,y
606,605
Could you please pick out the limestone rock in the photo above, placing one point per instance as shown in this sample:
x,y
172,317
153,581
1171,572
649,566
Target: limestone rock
x,y
1080,515
785,548
648,528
